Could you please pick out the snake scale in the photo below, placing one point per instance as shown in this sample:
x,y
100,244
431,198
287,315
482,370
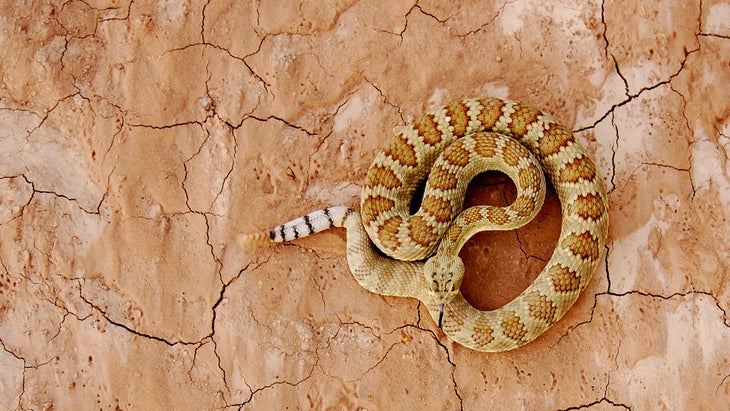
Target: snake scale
x,y
417,255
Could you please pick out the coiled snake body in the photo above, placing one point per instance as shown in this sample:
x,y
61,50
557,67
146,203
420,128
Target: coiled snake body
x,y
449,146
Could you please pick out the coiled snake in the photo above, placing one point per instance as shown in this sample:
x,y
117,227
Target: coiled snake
x,y
450,146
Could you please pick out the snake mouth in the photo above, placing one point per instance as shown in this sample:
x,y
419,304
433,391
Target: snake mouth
x,y
441,314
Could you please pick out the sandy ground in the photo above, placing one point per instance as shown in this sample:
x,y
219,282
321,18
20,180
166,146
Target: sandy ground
x,y
139,139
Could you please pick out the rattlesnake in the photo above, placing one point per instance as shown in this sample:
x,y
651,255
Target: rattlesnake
x,y
451,145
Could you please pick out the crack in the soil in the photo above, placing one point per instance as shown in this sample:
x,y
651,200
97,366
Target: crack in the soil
x,y
203,342
34,190
716,35
420,8
682,294
630,97
47,112
24,369
614,150
605,398
702,32
214,308
285,122
489,22
596,403
127,328
253,392
692,132
608,45
722,382
605,262
21,207
451,363
308,170
271,385
321,294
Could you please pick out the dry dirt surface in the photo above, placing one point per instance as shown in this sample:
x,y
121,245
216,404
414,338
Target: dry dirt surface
x,y
140,138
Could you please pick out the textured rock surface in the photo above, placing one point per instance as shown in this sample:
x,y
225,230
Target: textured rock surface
x,y
139,139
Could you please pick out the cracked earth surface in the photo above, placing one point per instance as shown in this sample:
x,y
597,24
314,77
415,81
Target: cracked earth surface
x,y
141,138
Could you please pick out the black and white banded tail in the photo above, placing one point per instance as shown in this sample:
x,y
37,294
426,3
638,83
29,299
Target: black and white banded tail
x,y
309,224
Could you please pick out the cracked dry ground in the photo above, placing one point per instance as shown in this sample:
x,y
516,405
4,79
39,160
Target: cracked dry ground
x,y
140,138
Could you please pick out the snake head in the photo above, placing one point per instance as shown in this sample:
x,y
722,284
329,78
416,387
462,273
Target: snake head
x,y
443,276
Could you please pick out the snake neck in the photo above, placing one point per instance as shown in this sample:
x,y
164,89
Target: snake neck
x,y
377,272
